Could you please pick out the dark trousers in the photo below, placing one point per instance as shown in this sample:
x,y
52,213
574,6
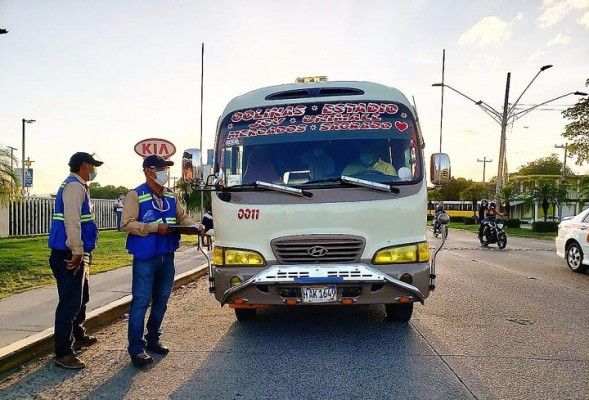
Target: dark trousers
x,y
73,297
119,215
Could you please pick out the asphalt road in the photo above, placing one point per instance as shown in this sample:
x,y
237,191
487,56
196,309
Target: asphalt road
x,y
502,324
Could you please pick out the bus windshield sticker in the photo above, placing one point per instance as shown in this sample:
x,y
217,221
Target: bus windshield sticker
x,y
327,117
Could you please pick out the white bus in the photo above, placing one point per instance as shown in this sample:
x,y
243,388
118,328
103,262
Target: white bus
x,y
320,198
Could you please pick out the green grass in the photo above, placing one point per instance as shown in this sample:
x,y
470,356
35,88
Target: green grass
x,y
24,261
509,231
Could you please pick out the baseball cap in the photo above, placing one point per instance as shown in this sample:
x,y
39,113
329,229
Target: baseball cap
x,y
154,161
80,157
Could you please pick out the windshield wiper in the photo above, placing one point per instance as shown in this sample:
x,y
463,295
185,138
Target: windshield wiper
x,y
334,179
384,187
277,188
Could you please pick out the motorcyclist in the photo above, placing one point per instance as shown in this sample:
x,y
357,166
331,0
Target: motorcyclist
x,y
491,214
482,210
439,210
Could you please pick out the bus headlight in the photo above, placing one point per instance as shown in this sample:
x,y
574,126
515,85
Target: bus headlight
x,y
227,257
417,252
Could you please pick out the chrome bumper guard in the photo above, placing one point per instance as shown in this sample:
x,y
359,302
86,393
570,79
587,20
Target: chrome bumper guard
x,y
318,274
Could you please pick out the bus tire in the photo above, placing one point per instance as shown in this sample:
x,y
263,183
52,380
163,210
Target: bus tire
x,y
399,312
245,314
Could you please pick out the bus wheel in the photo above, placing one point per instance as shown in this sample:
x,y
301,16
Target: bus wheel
x,y
245,314
399,312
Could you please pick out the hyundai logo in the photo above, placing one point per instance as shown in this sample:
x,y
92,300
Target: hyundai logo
x,y
317,251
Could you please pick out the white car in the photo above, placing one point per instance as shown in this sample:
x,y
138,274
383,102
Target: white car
x,y
572,241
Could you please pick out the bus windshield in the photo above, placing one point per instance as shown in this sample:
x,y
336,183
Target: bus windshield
x,y
315,143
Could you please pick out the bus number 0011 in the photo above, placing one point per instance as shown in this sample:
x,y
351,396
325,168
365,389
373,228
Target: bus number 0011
x,y
246,213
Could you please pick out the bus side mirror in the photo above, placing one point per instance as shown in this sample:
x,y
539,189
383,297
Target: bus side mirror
x,y
439,168
191,166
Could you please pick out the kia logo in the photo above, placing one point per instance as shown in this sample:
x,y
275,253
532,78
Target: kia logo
x,y
317,251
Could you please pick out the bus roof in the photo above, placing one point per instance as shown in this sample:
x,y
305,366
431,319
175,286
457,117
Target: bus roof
x,y
296,93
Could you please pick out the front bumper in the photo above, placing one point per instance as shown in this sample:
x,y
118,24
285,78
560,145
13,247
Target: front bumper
x,y
368,284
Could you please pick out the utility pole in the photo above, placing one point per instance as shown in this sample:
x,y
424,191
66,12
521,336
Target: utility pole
x,y
564,163
563,172
504,121
484,161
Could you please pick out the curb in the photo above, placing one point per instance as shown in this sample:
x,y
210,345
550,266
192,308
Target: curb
x,y
41,343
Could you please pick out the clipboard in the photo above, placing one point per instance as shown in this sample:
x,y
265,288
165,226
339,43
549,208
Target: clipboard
x,y
185,229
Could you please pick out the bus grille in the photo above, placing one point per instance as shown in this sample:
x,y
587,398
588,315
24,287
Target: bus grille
x,y
318,249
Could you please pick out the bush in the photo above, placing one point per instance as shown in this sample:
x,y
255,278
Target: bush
x,y
542,226
468,221
513,223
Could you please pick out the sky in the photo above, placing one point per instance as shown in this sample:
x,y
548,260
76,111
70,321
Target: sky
x,y
100,76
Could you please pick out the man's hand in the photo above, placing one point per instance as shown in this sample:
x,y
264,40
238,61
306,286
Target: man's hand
x,y
75,263
201,230
163,229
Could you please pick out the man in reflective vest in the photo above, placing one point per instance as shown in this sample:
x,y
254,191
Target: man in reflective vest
x,y
72,237
149,212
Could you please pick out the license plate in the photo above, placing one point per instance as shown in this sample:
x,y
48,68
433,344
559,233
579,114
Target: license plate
x,y
319,294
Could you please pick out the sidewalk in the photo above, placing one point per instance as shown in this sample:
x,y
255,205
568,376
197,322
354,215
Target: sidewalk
x,y
26,319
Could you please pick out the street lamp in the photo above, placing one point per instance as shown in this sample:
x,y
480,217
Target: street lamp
x,y
24,121
484,161
508,115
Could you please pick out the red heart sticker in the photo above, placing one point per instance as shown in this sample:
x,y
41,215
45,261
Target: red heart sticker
x,y
401,126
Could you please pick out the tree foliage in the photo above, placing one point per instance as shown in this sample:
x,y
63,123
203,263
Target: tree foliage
x,y
550,165
452,190
577,132
105,192
475,192
8,180
192,198
433,195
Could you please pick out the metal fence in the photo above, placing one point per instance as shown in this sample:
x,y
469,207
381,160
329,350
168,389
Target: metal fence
x,y
32,215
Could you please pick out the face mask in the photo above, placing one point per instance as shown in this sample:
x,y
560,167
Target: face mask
x,y
92,175
161,178
366,158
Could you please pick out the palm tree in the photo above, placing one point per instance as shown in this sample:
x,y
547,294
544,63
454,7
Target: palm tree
x,y
545,194
583,192
507,194
8,178
560,196
475,192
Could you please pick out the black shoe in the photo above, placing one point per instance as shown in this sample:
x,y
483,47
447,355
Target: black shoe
x,y
141,360
70,362
158,347
84,341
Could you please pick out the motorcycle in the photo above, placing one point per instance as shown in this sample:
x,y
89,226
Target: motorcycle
x,y
493,233
437,227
